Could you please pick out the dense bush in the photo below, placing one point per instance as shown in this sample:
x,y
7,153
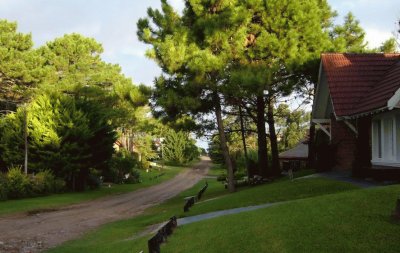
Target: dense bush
x,y
179,148
3,187
59,185
15,184
252,156
43,183
122,163
18,184
67,135
134,177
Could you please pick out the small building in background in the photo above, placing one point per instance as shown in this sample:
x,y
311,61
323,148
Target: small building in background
x,y
295,158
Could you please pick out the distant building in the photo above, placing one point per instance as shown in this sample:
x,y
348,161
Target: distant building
x,y
295,158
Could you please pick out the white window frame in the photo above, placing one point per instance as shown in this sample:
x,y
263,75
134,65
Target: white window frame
x,y
385,160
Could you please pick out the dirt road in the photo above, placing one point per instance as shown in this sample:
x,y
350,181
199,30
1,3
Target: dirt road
x,y
35,233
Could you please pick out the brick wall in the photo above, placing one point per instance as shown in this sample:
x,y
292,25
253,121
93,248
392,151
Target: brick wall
x,y
345,139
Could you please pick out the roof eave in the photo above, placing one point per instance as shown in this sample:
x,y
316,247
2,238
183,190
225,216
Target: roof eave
x,y
364,114
394,101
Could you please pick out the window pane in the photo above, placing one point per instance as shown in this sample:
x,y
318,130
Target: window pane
x,y
388,148
377,143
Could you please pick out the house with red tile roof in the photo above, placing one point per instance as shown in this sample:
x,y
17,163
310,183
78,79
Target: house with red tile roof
x,y
357,106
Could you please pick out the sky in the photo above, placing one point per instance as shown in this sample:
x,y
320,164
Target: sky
x,y
113,24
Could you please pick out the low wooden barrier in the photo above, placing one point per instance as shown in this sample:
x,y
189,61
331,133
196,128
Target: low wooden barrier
x,y
161,236
190,201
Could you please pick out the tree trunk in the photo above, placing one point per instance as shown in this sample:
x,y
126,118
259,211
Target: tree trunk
x,y
262,137
244,141
224,146
275,170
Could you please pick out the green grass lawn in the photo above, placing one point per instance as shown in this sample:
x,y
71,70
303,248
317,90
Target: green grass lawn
x,y
117,236
59,200
354,221
216,170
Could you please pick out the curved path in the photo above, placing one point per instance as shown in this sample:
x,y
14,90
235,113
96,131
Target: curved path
x,y
34,233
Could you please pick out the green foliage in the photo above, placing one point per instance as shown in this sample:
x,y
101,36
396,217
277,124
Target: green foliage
x,y
292,125
214,151
144,146
3,186
388,46
252,156
179,148
349,37
15,184
134,177
78,103
64,136
43,183
122,163
21,67
18,184
64,199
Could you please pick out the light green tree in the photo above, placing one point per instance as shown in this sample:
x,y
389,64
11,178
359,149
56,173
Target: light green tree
x,y
279,40
179,148
388,46
349,37
59,135
21,67
193,63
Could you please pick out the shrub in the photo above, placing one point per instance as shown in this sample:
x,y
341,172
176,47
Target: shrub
x,y
59,185
3,187
221,177
122,163
134,177
67,135
239,175
179,148
43,182
93,181
18,183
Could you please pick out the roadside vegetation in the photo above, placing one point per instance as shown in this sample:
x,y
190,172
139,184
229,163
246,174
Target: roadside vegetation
x,y
70,121
121,236
56,201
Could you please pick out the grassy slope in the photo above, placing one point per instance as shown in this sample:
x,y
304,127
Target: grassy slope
x,y
115,237
355,221
59,200
216,170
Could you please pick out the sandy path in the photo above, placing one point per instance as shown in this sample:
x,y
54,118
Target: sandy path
x,y
34,233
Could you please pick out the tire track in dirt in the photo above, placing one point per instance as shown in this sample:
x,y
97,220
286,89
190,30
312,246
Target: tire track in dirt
x,y
37,232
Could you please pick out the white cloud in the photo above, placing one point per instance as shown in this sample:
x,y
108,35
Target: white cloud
x,y
376,37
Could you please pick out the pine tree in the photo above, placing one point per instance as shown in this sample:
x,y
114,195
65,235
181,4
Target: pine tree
x,y
191,60
349,37
388,46
21,67
279,40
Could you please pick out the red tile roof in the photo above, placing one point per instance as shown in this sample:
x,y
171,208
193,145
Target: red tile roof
x,y
361,82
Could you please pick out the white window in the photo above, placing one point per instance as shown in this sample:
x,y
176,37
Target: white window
x,y
386,139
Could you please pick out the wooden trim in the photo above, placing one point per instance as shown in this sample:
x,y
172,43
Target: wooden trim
x,y
324,129
321,121
394,100
351,126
